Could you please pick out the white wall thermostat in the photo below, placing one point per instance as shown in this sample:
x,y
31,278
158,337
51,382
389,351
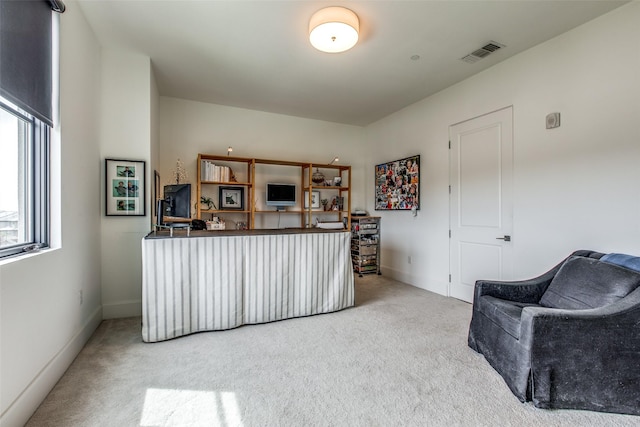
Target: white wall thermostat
x,y
553,120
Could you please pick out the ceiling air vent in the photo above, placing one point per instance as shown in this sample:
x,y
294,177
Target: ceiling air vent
x,y
483,52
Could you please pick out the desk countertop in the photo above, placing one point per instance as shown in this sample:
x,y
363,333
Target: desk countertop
x,y
164,234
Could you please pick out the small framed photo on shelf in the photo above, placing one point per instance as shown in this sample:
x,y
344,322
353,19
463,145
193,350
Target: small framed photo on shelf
x,y
315,199
124,188
231,198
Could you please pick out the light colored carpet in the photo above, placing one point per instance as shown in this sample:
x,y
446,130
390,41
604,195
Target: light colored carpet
x,y
398,358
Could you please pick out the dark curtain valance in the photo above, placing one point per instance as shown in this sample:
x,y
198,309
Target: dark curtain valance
x,y
57,6
25,55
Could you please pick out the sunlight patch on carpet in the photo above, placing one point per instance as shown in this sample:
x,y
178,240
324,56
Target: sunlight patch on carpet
x,y
165,407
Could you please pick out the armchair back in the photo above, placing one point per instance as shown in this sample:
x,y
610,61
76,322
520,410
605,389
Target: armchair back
x,y
583,283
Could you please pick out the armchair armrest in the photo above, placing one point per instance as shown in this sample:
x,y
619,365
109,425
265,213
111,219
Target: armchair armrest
x,y
585,358
527,291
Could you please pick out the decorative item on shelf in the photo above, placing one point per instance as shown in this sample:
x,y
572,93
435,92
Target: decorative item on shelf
x,y
324,204
334,204
216,223
317,177
337,203
315,199
180,173
330,225
337,181
328,182
208,202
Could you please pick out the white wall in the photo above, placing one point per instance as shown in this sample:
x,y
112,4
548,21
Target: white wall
x,y
155,141
576,187
43,324
125,133
188,128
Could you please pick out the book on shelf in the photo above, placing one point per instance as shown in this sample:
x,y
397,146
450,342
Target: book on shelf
x,y
209,171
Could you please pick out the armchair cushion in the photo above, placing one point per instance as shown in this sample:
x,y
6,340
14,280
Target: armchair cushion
x,y
583,283
628,261
505,314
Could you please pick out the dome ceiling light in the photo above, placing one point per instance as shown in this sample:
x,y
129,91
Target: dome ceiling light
x,y
334,29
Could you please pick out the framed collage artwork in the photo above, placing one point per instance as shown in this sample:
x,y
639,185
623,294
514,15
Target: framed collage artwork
x,y
124,188
397,184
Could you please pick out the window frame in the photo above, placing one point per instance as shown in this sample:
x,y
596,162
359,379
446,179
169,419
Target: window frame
x,y
37,176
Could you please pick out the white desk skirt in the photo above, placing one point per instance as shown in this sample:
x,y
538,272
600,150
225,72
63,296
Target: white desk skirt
x,y
194,284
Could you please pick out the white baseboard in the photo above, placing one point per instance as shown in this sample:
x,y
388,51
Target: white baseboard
x,y
131,308
28,401
435,286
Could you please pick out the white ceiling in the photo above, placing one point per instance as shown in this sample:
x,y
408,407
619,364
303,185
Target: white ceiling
x,y
256,54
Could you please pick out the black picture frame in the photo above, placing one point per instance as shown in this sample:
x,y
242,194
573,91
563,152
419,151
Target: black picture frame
x,y
397,184
156,191
125,184
231,198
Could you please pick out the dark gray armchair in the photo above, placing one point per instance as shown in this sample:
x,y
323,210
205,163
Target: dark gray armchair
x,y
569,338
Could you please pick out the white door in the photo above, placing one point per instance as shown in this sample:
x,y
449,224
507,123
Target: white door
x,y
481,211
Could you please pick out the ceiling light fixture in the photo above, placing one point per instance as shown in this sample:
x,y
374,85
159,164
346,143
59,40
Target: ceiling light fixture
x,y
334,29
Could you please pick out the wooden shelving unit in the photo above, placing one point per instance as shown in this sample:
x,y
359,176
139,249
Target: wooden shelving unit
x,y
246,178
246,182
344,172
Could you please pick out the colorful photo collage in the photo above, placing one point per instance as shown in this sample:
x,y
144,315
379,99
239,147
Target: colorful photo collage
x,y
398,184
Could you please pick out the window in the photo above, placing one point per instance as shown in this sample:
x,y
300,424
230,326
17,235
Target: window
x,y
28,50
24,195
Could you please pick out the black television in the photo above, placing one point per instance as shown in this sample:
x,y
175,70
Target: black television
x,y
281,195
177,200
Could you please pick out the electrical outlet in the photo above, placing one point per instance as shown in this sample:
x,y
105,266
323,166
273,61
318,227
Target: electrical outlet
x,y
81,297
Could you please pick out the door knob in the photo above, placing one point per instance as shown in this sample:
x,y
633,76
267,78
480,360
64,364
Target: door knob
x,y
505,238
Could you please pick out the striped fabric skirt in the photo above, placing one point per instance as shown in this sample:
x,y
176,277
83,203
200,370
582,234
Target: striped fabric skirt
x,y
194,284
